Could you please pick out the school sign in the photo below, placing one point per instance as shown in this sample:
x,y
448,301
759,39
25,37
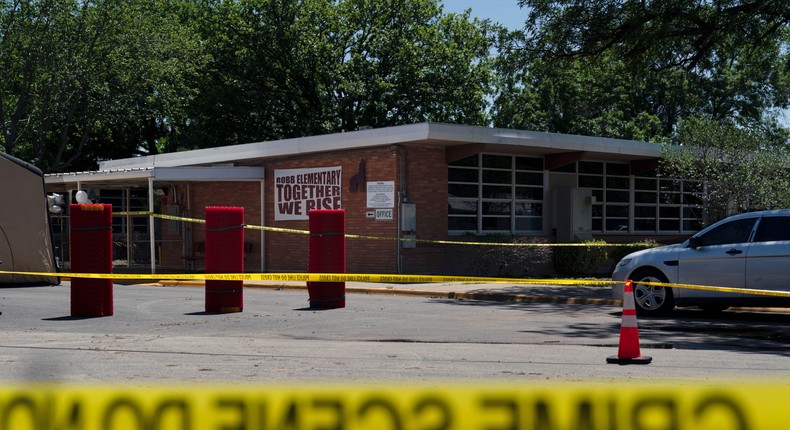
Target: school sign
x,y
297,191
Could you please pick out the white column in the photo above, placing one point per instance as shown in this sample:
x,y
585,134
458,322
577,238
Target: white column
x,y
151,233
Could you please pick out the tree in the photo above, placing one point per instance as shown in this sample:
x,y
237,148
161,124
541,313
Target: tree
x,y
669,33
291,68
86,80
737,170
272,63
402,61
588,97
727,60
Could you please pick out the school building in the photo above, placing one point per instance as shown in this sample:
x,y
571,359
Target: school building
x,y
429,182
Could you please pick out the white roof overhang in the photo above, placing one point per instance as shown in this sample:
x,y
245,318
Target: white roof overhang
x,y
443,135
227,163
141,176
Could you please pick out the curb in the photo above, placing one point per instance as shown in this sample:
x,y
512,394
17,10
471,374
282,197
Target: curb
x,y
456,295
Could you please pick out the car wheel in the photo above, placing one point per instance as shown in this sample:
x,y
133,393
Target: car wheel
x,y
652,300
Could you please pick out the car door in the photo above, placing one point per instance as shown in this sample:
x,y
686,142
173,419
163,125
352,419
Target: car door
x,y
719,259
768,258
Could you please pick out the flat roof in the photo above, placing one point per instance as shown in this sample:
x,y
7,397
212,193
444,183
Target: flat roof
x,y
227,162
444,135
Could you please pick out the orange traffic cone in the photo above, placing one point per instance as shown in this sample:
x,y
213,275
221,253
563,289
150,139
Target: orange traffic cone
x,y
628,352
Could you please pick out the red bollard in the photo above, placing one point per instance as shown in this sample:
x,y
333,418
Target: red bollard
x,y
327,255
224,254
91,252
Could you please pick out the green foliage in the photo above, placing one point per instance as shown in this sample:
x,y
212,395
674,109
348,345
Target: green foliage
x,y
589,97
737,170
296,68
511,261
85,81
636,69
580,260
90,80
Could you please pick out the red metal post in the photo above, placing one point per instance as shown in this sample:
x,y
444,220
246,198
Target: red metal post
x,y
224,254
327,255
91,252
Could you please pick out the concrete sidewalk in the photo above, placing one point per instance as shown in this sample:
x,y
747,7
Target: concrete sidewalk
x,y
593,295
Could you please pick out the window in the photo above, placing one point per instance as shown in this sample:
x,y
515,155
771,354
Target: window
x,y
638,203
611,185
773,229
730,233
491,193
504,194
138,202
666,205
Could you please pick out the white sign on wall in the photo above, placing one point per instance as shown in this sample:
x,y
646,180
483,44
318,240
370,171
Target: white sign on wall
x,y
297,191
385,214
381,194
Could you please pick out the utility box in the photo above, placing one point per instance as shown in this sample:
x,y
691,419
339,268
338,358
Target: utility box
x,y
408,224
573,214
408,217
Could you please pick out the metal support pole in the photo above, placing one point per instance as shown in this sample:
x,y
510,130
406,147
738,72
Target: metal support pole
x,y
151,233
263,223
128,208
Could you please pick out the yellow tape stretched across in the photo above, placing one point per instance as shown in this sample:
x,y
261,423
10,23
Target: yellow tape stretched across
x,y
133,213
758,292
318,277
383,278
506,244
359,236
588,406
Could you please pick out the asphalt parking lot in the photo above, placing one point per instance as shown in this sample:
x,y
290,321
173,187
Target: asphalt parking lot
x,y
162,334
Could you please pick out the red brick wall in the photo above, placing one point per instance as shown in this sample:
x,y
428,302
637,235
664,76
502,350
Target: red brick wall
x,y
289,252
427,189
425,185
243,194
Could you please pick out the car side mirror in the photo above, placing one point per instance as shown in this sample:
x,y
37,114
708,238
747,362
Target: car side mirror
x,y
695,242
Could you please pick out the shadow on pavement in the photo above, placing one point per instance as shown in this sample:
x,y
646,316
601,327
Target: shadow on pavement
x,y
736,330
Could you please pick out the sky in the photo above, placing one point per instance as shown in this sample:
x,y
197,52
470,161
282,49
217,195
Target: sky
x,y
505,12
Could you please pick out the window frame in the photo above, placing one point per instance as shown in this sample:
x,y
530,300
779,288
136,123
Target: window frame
x,y
506,197
763,221
650,205
702,242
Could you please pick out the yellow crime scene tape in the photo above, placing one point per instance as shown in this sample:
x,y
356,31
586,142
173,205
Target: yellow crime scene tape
x,y
540,406
383,278
759,292
317,277
358,236
447,406
338,277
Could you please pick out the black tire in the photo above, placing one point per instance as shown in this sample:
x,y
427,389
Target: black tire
x,y
652,300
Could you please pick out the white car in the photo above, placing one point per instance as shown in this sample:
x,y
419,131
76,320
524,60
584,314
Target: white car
x,y
750,250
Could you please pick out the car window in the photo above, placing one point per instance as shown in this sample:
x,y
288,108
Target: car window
x,y
773,228
731,232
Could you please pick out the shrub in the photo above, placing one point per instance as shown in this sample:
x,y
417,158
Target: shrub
x,y
511,261
580,260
